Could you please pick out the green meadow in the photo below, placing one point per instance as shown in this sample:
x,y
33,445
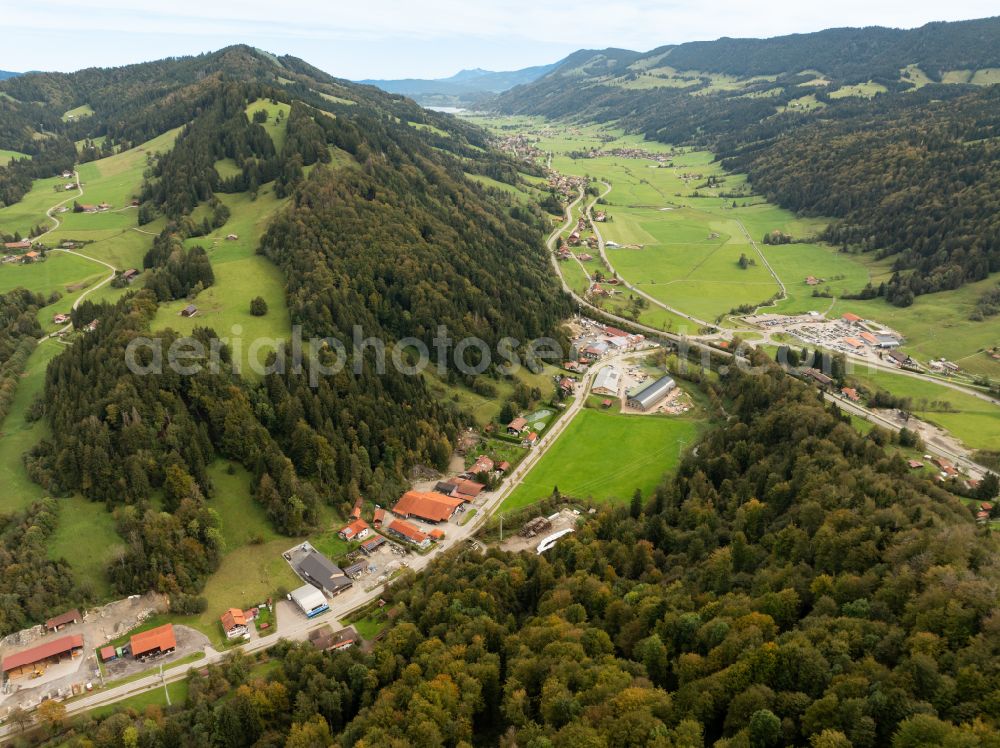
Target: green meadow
x,y
605,456
973,420
6,156
275,128
240,275
57,272
84,110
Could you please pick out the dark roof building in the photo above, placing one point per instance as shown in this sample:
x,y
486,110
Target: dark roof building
x,y
323,573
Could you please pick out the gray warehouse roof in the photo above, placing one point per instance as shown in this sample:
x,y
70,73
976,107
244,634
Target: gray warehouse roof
x,y
652,393
317,568
608,378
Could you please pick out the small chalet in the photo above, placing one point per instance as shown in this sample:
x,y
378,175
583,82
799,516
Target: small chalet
x,y
851,394
504,467
357,530
378,517
130,275
30,256
567,385
915,464
232,237
356,511
234,623
483,463
531,440
515,427
189,311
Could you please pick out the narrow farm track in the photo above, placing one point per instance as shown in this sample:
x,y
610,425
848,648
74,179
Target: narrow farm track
x,y
56,223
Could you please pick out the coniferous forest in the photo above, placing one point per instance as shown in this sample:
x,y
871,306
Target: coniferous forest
x,y
792,585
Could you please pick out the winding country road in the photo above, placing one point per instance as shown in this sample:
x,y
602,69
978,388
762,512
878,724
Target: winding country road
x,y
56,223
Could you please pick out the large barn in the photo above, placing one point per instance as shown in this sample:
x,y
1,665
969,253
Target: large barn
x,y
650,395
37,659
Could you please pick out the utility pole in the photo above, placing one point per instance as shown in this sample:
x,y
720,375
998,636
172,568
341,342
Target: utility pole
x,y
165,689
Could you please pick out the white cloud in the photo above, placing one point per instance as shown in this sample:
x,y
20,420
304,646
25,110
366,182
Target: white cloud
x,y
636,24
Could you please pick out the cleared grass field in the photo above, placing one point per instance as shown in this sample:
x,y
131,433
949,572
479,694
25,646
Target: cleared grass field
x,y
6,156
240,275
83,521
84,110
976,422
277,130
55,273
30,211
606,456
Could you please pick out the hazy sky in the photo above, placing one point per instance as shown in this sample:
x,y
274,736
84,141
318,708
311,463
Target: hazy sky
x,y
417,38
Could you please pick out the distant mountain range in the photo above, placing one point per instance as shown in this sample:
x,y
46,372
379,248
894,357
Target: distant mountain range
x,y
465,88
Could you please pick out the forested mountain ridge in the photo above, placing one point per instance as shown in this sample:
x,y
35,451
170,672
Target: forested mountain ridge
x,y
405,238
816,121
792,585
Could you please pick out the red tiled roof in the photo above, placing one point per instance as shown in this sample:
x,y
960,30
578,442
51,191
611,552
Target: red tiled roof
x,y
869,338
433,507
437,534
850,317
162,638
52,648
379,515
232,618
469,487
354,528
411,532
518,423
107,653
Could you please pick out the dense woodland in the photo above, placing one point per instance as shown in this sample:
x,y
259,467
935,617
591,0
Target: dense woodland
x,y
792,585
911,174
19,333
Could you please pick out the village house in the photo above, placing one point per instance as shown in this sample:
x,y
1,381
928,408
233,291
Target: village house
x,y
483,463
60,319
409,533
915,464
30,256
504,467
378,517
357,530
515,427
851,394
17,246
325,639
601,216
567,385
130,275
900,358
530,440
234,623
819,377
574,239
189,311
356,511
